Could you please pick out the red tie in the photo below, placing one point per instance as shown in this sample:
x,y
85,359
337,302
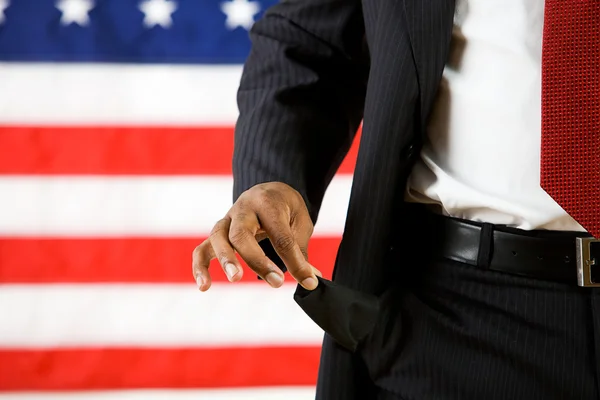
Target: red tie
x,y
570,162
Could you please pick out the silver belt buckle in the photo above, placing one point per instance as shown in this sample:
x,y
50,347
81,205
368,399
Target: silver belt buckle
x,y
586,261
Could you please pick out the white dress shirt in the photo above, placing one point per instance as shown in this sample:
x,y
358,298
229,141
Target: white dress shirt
x,y
482,158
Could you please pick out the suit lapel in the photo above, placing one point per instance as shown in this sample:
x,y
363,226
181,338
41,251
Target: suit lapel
x,y
430,43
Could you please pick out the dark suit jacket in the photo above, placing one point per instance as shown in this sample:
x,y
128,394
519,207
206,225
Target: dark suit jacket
x,y
318,68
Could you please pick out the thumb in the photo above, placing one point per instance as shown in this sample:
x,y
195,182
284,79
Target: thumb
x,y
317,272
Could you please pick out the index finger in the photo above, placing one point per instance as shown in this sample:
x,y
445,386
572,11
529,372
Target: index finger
x,y
242,236
277,226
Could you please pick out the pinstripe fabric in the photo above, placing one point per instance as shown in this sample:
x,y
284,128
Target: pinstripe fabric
x,y
301,96
596,328
469,333
317,67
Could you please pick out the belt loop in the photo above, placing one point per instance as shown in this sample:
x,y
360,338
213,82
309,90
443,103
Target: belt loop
x,y
486,245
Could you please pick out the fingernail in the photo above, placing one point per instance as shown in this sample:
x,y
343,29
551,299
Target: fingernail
x,y
199,281
273,279
231,270
309,283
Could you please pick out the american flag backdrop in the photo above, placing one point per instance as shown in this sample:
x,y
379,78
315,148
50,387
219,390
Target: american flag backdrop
x,y
116,136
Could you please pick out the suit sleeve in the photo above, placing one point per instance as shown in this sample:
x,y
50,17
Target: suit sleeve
x,y
300,98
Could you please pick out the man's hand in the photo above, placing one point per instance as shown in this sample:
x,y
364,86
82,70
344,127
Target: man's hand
x,y
273,210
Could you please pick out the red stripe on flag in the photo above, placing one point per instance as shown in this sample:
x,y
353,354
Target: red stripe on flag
x,y
151,260
122,150
133,368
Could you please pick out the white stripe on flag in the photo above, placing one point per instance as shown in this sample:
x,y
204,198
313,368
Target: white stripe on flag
x,y
289,393
66,93
147,206
242,314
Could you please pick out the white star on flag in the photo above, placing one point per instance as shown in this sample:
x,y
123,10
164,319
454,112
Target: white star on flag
x,y
75,11
240,13
158,12
3,6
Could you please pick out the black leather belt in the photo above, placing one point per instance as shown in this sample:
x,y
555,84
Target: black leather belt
x,y
569,257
